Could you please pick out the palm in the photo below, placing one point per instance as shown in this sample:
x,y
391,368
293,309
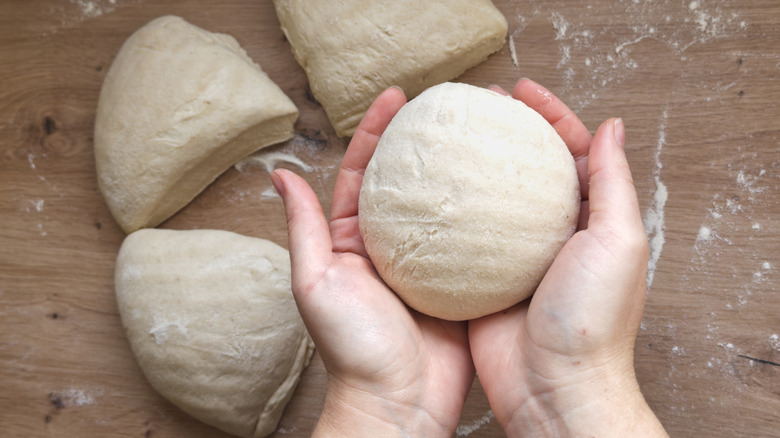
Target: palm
x,y
368,339
586,309
387,342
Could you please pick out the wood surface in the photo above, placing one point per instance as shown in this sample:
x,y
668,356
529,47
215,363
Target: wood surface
x,y
697,84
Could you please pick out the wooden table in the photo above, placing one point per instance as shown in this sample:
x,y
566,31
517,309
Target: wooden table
x,y
697,84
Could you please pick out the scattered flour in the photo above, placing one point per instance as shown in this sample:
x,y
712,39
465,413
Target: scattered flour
x,y
560,25
270,193
38,204
73,12
512,51
270,159
728,346
94,8
594,59
705,234
285,431
760,275
654,216
747,182
31,205
468,429
731,212
76,397
308,146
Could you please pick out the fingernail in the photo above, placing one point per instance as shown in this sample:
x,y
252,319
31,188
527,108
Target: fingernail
x,y
619,131
397,88
277,182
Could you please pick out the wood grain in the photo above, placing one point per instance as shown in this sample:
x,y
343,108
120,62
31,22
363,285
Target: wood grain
x,y
697,84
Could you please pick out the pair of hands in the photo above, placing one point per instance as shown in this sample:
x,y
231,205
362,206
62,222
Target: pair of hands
x,y
558,364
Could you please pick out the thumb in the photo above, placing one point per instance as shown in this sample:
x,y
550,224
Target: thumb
x,y
612,197
307,230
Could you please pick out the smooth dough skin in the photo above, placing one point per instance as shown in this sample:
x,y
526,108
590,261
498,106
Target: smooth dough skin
x,y
211,320
352,50
178,107
466,201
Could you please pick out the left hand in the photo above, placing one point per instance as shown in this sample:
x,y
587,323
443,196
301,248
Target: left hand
x,y
562,362
391,370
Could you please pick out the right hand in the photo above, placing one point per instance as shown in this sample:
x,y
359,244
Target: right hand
x,y
392,371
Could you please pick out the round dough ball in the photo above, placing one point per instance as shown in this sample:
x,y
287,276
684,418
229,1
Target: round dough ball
x,y
212,322
466,202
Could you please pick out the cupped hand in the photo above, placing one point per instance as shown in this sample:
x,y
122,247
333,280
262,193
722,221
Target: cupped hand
x,y
561,363
391,371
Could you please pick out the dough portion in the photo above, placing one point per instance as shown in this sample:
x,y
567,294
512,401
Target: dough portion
x,y
212,322
178,107
352,50
466,201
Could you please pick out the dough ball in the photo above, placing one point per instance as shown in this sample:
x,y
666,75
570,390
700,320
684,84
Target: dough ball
x,y
352,50
211,319
178,107
466,202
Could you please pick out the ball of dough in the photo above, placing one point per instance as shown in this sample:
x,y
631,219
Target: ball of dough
x,y
178,107
211,319
466,201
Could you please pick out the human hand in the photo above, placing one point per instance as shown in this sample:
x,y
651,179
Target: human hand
x,y
391,370
562,363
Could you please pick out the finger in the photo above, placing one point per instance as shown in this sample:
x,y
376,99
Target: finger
x,y
360,150
307,230
613,200
498,90
563,119
615,221
566,124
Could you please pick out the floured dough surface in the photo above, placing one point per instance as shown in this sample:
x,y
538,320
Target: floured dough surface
x,y
466,201
178,107
352,50
212,322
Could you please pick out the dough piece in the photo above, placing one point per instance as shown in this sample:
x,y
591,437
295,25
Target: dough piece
x,y
352,50
466,201
212,322
178,107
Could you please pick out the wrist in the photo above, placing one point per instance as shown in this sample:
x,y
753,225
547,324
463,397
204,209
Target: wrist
x,y
350,412
591,403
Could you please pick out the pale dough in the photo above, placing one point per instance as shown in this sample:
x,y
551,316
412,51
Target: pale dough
x,y
178,107
466,201
213,325
351,50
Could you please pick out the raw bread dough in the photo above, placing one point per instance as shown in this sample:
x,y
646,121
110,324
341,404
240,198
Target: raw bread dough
x,y
466,201
178,107
352,50
212,322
